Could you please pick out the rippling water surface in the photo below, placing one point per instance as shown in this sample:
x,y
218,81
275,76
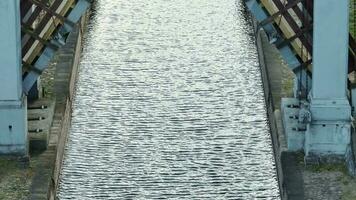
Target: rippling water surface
x,y
169,105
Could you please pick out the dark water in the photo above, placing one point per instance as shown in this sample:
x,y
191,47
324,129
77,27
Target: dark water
x,y
169,105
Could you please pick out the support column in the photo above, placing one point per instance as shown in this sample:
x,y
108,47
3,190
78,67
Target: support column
x,y
329,130
13,107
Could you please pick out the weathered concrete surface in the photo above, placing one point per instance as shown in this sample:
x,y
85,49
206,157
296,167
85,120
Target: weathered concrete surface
x,y
67,77
297,181
15,180
45,177
273,70
40,116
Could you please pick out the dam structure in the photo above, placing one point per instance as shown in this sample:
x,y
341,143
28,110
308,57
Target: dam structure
x,y
171,99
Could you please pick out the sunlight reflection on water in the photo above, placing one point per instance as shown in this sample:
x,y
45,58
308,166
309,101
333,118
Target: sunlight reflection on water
x,y
169,105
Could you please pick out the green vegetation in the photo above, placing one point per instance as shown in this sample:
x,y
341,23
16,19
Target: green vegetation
x,y
347,183
14,180
348,188
47,81
329,168
287,86
323,167
336,173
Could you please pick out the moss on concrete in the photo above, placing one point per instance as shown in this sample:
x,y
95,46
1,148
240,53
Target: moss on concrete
x,y
323,167
14,180
287,85
47,80
328,168
348,188
346,182
323,179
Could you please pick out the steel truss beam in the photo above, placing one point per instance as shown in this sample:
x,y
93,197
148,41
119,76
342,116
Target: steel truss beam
x,y
45,28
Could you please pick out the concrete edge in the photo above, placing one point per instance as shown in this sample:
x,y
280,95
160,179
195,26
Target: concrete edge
x,y
67,116
270,112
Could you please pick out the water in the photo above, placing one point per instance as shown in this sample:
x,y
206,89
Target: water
x,y
169,105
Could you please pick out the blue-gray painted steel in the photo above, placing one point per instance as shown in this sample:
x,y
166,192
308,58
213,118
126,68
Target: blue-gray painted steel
x,y
13,108
10,51
321,125
286,51
330,129
59,40
330,49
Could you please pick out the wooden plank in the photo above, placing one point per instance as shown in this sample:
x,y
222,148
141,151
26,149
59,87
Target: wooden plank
x,y
25,7
48,10
287,30
303,19
41,20
47,31
279,13
29,22
295,24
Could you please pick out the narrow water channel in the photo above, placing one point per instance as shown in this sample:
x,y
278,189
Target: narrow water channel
x,y
169,105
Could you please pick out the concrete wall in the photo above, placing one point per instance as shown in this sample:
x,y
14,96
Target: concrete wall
x,y
270,113
67,114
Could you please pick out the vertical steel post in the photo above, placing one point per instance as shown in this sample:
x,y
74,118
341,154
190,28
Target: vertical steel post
x,y
329,130
331,29
13,107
